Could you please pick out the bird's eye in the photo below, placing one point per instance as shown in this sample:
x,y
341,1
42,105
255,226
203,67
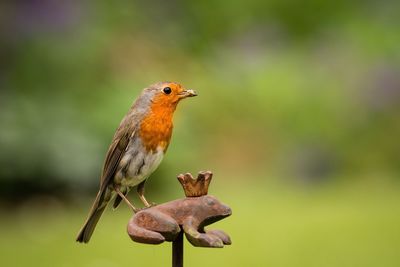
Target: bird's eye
x,y
167,90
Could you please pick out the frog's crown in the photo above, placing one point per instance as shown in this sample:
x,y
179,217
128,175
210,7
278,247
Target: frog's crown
x,y
195,187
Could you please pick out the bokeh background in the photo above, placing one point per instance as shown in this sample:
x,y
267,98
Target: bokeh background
x,y
297,116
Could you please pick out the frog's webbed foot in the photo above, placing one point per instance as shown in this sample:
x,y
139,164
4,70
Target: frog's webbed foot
x,y
203,240
200,239
222,235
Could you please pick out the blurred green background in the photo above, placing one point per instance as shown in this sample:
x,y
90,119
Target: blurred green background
x,y
298,116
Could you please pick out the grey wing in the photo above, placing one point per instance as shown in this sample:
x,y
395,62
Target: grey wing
x,y
116,151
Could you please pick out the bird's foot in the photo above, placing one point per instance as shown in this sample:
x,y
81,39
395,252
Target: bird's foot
x,y
146,207
149,205
145,202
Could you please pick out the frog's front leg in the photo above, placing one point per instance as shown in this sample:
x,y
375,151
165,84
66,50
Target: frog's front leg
x,y
221,234
191,228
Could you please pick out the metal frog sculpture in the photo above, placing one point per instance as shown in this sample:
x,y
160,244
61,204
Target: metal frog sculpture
x,y
164,222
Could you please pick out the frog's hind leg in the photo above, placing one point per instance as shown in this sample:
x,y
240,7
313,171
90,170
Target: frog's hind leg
x,y
142,235
163,224
153,227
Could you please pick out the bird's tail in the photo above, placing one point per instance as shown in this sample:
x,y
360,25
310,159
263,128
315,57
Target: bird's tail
x,y
95,213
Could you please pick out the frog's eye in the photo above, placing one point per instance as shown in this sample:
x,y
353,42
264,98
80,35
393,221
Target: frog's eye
x,y
210,201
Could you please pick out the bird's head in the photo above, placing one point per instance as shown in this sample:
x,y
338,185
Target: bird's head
x,y
168,94
157,103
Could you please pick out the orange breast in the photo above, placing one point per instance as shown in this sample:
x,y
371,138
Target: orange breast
x,y
156,127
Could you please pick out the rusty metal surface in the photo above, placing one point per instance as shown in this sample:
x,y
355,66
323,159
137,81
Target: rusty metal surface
x,y
195,187
164,222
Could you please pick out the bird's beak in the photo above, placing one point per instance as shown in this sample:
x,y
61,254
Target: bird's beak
x,y
187,93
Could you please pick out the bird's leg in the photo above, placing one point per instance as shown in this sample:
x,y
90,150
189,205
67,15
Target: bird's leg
x,y
125,199
140,190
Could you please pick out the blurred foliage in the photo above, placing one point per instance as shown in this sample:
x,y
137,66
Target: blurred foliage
x,y
294,89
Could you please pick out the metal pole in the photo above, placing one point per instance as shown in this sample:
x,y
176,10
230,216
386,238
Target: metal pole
x,y
177,251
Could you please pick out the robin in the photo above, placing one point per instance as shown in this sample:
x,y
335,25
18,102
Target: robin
x,y
137,148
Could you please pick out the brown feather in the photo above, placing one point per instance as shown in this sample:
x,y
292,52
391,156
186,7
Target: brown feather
x,y
95,213
116,150
114,155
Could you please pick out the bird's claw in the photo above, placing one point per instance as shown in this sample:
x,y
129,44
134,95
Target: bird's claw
x,y
151,204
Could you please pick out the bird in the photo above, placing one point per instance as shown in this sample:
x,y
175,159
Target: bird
x,y
136,150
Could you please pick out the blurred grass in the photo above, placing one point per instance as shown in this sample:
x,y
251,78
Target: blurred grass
x,y
343,224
